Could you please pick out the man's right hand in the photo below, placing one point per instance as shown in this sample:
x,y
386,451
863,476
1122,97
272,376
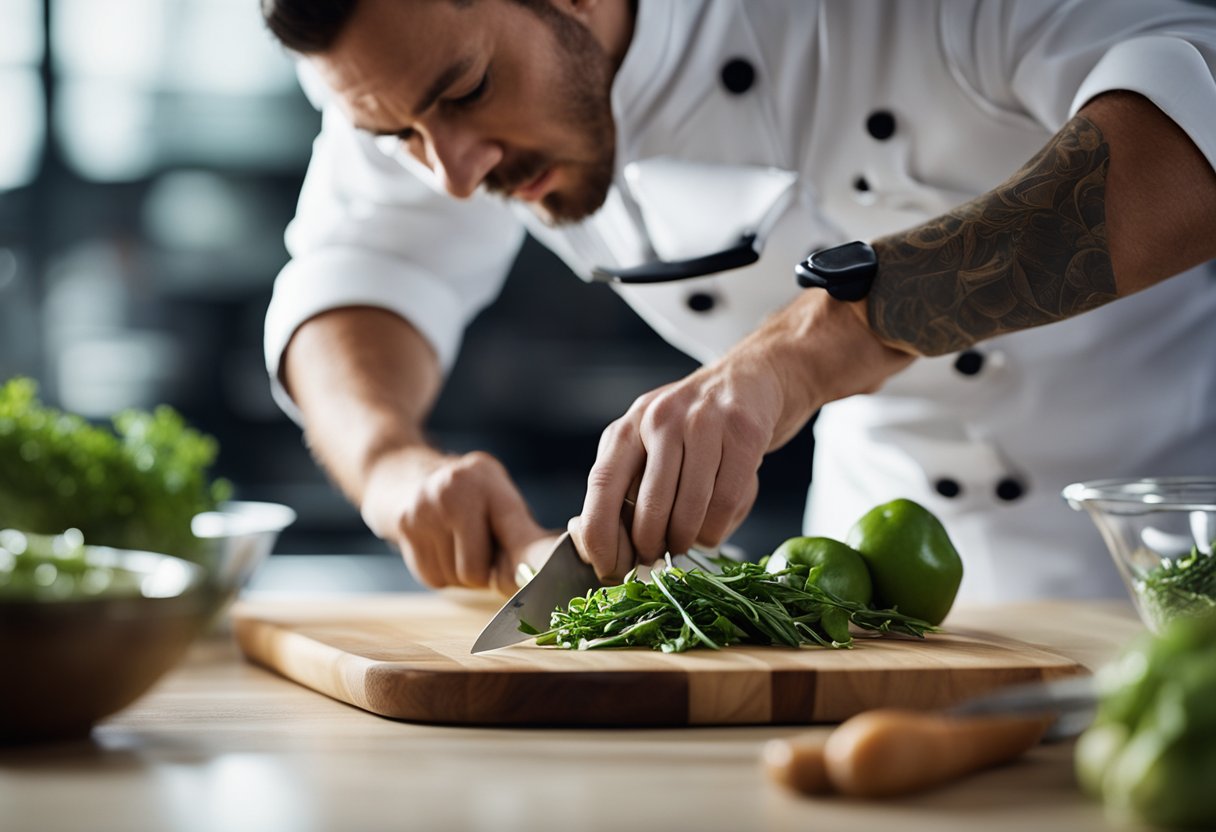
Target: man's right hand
x,y
458,520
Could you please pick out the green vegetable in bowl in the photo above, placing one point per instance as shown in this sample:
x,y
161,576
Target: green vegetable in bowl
x,y
1185,587
43,568
1151,752
136,487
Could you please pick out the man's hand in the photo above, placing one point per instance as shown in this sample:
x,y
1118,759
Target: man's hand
x,y
458,520
690,451
365,381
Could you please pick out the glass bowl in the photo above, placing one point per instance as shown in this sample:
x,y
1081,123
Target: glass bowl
x,y
1152,527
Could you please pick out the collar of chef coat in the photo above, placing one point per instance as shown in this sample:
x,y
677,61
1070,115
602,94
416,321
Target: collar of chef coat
x,y
648,60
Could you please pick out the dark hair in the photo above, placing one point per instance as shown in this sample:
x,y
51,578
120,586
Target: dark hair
x,y
312,26
307,26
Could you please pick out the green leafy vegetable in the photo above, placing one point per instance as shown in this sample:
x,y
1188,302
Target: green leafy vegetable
x,y
1185,587
136,487
43,568
680,609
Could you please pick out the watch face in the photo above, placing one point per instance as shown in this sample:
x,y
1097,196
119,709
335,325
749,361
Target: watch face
x,y
845,271
850,260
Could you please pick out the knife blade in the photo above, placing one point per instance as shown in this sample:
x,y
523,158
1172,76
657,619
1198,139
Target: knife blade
x,y
562,577
1073,700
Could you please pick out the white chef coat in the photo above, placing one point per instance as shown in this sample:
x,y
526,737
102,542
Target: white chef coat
x,y
889,113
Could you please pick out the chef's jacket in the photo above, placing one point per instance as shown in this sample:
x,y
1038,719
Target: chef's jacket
x,y
883,114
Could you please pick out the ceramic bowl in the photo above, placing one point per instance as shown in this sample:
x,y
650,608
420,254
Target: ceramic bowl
x,y
80,645
1150,527
74,652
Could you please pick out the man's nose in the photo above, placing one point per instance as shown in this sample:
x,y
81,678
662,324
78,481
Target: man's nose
x,y
461,159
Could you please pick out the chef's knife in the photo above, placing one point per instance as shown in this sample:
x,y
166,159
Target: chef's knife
x,y
886,752
562,577
1073,701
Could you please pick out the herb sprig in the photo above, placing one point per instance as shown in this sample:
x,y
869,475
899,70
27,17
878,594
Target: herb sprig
x,y
736,603
1179,587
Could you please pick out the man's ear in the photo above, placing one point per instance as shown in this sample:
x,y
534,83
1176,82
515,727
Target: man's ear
x,y
581,10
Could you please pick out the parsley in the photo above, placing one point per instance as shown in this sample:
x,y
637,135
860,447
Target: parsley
x,y
134,487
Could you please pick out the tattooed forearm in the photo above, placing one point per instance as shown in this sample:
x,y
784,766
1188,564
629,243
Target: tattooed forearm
x,y
1030,252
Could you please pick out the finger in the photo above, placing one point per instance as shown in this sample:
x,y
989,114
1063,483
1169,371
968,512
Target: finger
x,y
702,458
511,520
620,461
734,492
657,492
516,534
473,551
626,554
421,558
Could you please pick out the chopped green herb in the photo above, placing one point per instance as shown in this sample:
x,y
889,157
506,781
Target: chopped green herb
x,y
679,609
1183,587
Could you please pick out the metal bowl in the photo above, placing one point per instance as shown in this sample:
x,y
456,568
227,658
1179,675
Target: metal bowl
x,y
234,541
1150,526
69,661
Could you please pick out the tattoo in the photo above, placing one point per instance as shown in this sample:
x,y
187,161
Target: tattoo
x,y
1031,252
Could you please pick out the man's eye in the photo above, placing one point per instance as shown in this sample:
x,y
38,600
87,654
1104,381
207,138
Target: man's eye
x,y
473,94
406,134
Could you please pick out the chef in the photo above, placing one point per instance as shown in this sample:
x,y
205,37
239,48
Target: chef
x,y
963,172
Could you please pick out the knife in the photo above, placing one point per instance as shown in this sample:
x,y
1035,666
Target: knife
x,y
888,752
562,577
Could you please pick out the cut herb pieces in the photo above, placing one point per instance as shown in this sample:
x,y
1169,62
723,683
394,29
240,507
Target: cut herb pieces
x,y
1185,587
680,609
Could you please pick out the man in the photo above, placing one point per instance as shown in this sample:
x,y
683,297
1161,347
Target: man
x,y
1013,163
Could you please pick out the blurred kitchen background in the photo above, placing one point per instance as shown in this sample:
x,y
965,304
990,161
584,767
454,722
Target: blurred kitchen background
x,y
151,152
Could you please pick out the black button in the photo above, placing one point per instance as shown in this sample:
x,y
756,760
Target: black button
x,y
701,301
948,487
881,125
738,75
969,363
1009,489
860,184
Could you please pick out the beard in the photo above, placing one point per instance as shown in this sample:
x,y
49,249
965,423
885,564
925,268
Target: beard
x,y
585,109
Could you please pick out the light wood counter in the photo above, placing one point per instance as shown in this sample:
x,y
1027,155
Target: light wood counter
x,y
222,745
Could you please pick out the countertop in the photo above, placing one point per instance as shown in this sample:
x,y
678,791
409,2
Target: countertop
x,y
220,744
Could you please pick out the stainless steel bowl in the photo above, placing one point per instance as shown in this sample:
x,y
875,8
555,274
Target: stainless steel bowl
x,y
235,540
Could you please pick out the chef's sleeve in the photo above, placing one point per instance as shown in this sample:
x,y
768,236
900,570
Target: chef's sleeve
x,y
371,230
1044,59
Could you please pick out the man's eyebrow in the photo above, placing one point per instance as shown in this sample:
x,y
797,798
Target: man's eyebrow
x,y
444,80
440,85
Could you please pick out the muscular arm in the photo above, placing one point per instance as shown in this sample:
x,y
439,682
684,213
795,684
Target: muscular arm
x,y
365,381
1119,200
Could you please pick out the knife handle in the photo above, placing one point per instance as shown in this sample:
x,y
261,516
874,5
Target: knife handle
x,y
888,752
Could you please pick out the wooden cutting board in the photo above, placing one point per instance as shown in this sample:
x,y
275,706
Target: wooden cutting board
x,y
407,657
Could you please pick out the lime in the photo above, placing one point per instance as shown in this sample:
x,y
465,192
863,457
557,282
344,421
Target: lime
x,y
834,568
912,562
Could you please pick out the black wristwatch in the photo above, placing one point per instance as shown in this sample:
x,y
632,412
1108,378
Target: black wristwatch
x,y
845,271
